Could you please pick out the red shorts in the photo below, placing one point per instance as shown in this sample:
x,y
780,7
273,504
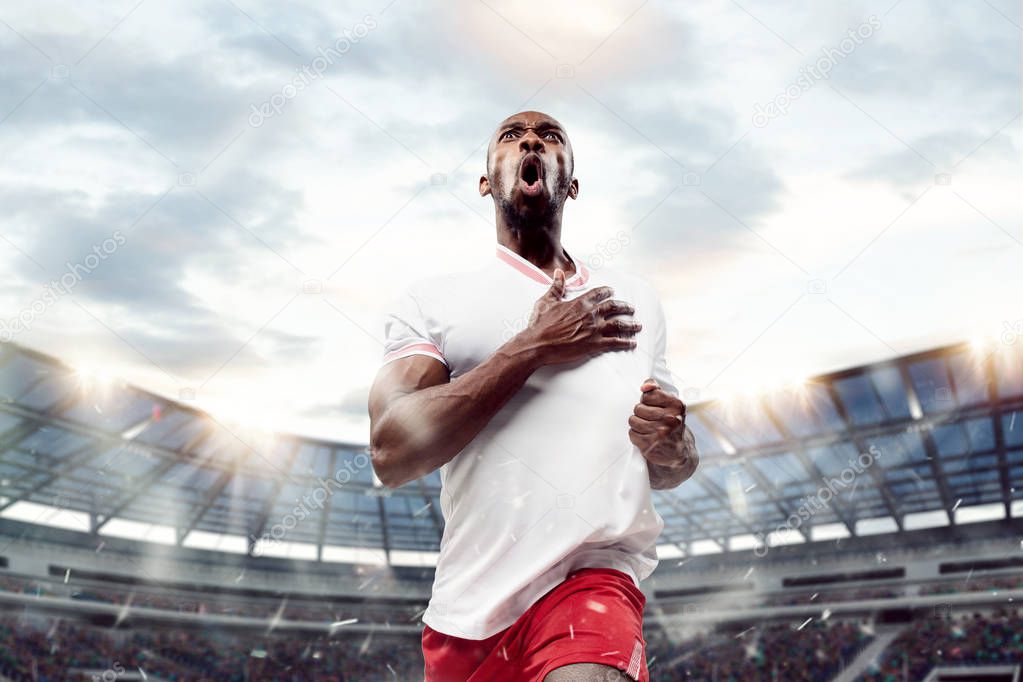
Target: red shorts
x,y
594,616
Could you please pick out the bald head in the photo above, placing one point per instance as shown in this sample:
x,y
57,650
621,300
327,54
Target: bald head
x,y
537,120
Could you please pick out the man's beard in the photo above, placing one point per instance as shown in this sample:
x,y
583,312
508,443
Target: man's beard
x,y
524,217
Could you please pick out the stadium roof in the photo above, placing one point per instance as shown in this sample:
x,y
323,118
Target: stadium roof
x,y
943,429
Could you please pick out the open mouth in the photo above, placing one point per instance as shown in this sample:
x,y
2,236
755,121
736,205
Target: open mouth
x,y
531,175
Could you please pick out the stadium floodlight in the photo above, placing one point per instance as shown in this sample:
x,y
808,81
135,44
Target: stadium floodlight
x,y
670,551
828,531
876,526
980,513
936,518
785,536
747,541
221,542
354,555
92,377
400,557
980,345
701,547
47,515
139,530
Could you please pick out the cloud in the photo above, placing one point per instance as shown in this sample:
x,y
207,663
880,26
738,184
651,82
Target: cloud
x,y
908,168
658,103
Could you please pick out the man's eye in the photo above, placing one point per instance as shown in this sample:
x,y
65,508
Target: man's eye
x,y
554,136
506,134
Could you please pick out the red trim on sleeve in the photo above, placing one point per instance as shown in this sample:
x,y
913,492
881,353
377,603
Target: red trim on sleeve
x,y
414,348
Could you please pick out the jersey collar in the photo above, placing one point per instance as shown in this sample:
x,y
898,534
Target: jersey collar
x,y
579,279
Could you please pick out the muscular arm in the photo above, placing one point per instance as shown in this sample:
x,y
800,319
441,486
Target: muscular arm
x,y
419,419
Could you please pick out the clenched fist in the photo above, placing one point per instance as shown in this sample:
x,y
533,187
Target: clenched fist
x,y
658,428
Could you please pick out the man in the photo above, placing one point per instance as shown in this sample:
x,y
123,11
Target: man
x,y
548,439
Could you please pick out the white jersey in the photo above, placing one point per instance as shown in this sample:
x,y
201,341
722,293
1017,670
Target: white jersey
x,y
552,483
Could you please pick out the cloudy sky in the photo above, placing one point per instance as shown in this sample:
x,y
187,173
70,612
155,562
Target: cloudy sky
x,y
240,186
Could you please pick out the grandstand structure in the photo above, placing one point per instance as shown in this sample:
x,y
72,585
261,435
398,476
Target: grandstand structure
x,y
835,515
126,463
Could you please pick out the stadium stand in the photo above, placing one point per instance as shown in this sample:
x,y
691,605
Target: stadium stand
x,y
865,524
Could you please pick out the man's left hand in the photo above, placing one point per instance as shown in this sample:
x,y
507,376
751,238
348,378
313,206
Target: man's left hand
x,y
657,427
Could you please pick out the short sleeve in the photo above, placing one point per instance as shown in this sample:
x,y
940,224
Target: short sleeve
x,y
661,373
408,331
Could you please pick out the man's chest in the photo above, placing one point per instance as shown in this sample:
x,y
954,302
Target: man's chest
x,y
479,322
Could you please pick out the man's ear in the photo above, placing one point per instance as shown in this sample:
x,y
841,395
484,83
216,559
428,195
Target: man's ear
x,y
573,189
484,186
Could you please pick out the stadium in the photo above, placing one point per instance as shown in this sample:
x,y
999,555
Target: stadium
x,y
496,341
864,525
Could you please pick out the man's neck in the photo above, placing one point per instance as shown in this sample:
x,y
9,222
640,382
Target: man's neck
x,y
539,244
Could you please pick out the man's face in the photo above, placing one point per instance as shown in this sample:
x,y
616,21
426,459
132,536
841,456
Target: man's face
x,y
530,167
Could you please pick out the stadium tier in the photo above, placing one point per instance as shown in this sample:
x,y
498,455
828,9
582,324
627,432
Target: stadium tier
x,y
863,524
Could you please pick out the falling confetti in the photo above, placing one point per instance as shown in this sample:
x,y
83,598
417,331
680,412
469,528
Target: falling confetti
x,y
277,616
341,623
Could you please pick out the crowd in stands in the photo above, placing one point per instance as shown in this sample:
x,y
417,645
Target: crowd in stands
x,y
832,596
182,602
978,639
983,584
45,650
779,651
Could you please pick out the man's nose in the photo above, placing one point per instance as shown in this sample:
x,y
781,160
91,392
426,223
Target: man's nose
x,y
531,142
